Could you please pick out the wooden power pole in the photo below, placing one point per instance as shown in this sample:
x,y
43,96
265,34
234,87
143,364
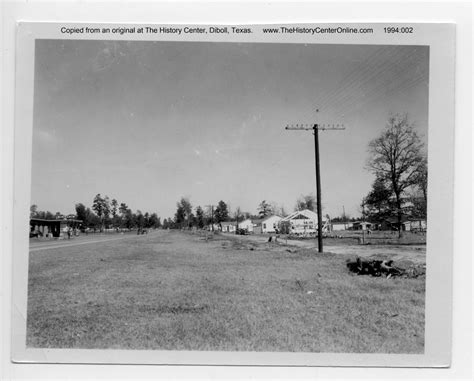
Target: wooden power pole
x,y
316,128
212,216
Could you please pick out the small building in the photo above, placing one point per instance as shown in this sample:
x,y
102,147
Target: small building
x,y
339,226
270,224
52,228
418,225
246,224
227,227
362,225
391,223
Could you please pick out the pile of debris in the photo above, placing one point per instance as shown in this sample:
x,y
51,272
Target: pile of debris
x,y
415,271
375,268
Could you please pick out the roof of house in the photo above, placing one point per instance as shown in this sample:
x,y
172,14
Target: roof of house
x,y
306,214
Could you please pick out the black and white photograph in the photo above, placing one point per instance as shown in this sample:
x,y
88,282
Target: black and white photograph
x,y
228,197
236,195
236,190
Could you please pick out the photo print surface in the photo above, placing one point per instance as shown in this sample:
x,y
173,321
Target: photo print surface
x,y
218,196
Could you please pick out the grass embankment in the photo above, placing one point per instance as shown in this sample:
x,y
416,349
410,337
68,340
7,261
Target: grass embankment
x,y
172,290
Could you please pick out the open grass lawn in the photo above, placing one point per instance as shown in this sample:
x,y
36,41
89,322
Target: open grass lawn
x,y
177,291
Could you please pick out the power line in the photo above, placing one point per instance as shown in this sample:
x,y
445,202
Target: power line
x,y
369,69
375,72
376,75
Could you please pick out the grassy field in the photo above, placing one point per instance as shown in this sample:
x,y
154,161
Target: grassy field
x,y
179,291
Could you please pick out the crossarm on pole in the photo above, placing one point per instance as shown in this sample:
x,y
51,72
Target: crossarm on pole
x,y
322,127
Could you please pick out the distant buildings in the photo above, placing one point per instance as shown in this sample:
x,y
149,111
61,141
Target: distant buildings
x,y
408,224
306,222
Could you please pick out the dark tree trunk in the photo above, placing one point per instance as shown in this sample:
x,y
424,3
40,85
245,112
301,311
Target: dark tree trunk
x,y
399,215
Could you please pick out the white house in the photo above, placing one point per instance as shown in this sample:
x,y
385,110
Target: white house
x,y
302,222
246,225
227,227
418,225
257,225
270,223
338,226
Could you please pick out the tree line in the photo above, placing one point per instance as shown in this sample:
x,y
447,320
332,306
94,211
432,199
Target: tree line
x,y
105,213
187,216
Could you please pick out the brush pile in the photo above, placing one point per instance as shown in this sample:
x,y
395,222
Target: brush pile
x,y
379,268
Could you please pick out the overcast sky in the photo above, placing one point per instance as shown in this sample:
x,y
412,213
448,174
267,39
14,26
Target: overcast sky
x,y
149,122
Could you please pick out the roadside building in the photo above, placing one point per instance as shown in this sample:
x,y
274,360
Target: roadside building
x,y
246,224
418,225
339,226
40,227
227,227
270,224
362,225
302,222
391,223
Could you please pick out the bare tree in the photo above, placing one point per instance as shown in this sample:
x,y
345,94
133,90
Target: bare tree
x,y
306,202
395,157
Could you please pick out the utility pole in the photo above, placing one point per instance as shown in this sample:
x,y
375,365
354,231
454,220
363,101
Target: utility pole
x,y
212,216
316,127
344,216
